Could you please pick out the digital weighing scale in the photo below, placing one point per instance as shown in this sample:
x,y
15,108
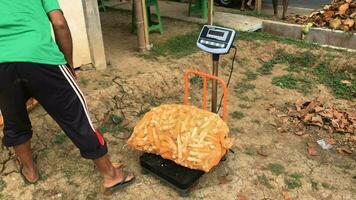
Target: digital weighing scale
x,y
216,41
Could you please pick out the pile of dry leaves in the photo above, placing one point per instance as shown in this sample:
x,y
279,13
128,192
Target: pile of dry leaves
x,y
313,113
339,14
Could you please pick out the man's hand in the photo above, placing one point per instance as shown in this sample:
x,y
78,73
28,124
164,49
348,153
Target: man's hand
x,y
63,36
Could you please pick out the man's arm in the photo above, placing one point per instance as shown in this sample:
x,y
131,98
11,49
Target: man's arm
x,y
62,35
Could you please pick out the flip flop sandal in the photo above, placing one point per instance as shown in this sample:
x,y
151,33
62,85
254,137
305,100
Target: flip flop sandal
x,y
25,179
110,190
118,165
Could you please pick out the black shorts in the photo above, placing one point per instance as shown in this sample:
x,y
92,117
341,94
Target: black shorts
x,y
57,91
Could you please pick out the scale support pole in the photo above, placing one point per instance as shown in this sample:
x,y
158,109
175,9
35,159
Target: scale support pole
x,y
214,94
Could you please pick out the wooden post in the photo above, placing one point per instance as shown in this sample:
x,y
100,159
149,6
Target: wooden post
x,y
258,6
145,24
210,11
140,25
95,35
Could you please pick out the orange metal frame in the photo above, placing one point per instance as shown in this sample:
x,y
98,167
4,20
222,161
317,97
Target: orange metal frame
x,y
205,85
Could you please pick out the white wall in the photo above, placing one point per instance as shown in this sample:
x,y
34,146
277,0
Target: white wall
x,y
74,13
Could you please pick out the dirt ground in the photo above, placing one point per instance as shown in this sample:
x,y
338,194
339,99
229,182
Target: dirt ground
x,y
266,163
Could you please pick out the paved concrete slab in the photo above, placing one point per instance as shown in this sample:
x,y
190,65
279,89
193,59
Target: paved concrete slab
x,y
180,11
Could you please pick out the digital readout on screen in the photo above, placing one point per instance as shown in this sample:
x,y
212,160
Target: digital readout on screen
x,y
217,33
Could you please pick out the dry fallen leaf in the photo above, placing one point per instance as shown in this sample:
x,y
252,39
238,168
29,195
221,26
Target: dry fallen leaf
x,y
329,14
262,151
317,120
347,82
351,138
224,180
318,109
286,195
281,130
343,8
308,117
344,150
312,149
241,197
330,141
299,104
335,23
125,123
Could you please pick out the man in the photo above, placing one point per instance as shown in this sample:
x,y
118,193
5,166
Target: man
x,y
32,65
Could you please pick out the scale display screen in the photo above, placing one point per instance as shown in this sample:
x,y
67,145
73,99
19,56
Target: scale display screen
x,y
216,40
217,34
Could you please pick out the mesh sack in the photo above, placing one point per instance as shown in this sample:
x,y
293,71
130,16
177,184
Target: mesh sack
x,y
189,136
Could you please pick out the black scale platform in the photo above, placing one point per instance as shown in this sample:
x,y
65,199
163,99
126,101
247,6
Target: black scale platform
x,y
179,177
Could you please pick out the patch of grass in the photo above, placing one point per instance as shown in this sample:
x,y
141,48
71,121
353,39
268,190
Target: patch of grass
x,y
266,68
275,168
243,98
251,151
60,138
113,125
84,81
224,63
327,186
256,121
306,62
243,87
296,62
244,106
314,185
301,62
196,80
250,75
105,83
151,100
44,175
2,185
49,194
235,131
68,173
142,112
237,115
177,47
332,79
264,181
290,81
296,175
293,180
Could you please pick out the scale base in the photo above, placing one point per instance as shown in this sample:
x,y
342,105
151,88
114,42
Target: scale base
x,y
181,178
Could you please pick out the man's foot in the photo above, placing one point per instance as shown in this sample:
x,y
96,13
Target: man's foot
x,y
123,179
30,174
119,177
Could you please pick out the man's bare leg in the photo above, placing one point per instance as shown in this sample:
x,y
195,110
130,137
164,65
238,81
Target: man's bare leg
x,y
30,171
249,4
275,7
242,5
285,8
112,175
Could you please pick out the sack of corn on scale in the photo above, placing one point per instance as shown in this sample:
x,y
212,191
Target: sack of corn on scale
x,y
189,136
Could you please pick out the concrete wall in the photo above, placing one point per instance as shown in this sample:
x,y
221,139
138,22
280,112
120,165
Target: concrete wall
x,y
74,13
321,36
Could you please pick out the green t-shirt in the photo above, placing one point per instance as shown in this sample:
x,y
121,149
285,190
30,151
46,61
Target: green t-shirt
x,y
25,32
